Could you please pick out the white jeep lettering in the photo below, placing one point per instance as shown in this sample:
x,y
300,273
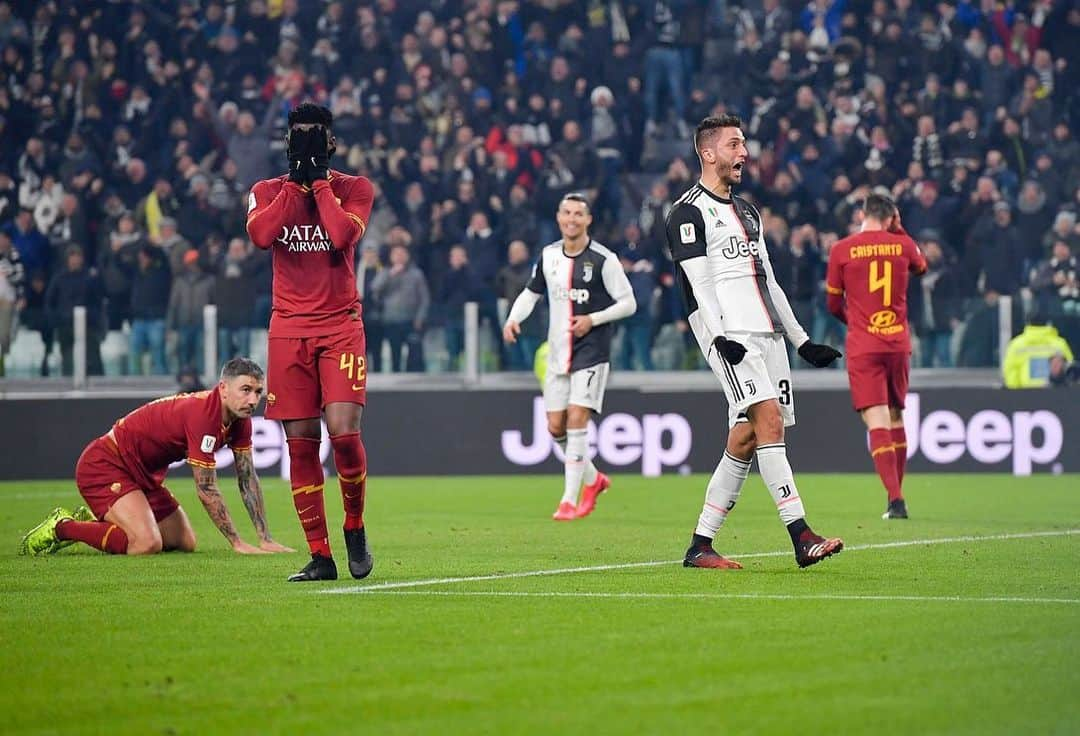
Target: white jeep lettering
x,y
658,440
990,436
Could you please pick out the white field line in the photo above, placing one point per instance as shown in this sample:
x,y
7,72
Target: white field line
x,y
658,563
721,596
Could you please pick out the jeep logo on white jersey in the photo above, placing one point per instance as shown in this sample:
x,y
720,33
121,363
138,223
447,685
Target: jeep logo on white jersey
x,y
577,296
736,247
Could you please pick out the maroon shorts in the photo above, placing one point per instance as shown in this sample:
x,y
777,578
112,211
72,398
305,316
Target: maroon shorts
x,y
102,480
878,379
304,374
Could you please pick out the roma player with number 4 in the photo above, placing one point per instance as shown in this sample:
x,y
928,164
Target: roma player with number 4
x,y
867,290
311,219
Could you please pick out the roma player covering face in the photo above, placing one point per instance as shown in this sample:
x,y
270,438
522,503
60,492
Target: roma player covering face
x,y
312,219
867,290
121,474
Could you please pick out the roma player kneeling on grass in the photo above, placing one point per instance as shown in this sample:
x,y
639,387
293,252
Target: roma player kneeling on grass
x,y
121,474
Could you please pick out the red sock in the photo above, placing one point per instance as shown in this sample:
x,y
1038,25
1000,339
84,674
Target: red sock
x,y
899,440
98,534
350,457
881,451
306,478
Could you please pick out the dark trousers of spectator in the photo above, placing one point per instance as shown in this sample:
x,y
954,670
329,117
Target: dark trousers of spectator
x,y
397,334
117,309
7,327
414,361
147,335
233,342
489,315
522,352
189,347
455,344
47,334
934,349
824,329
636,347
804,313
609,196
65,335
664,66
262,311
373,335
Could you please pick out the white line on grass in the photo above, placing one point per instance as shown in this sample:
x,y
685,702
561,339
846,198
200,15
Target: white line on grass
x,y
658,563
710,596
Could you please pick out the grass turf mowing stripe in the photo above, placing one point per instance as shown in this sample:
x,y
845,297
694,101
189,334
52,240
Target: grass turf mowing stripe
x,y
657,563
716,596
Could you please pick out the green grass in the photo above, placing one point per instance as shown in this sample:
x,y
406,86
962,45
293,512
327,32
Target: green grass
x,y
218,643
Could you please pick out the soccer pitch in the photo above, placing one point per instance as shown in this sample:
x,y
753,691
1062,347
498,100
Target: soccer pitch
x,y
484,616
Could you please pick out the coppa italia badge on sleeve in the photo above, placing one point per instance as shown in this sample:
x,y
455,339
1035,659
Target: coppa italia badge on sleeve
x,y
687,233
208,442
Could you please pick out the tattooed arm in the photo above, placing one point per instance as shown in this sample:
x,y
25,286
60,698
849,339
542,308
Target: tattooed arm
x,y
251,493
206,485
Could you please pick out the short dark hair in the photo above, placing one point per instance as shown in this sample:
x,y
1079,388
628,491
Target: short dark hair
x,y
879,207
308,113
577,197
235,367
707,127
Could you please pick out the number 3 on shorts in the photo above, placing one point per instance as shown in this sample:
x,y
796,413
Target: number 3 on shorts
x,y
354,368
784,389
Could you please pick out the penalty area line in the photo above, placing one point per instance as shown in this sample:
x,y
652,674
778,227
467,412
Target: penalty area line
x,y
658,563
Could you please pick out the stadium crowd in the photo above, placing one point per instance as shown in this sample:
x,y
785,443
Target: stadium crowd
x,y
130,133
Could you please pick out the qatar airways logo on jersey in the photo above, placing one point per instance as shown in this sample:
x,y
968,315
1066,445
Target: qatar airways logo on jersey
x,y
736,247
305,238
577,296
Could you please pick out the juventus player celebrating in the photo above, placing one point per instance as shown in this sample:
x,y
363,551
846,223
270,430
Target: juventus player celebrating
x,y
739,315
587,291
312,218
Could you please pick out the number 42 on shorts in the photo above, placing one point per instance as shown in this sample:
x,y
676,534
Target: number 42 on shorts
x,y
355,369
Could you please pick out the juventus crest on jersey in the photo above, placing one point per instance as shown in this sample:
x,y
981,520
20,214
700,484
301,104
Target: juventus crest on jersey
x,y
728,232
587,283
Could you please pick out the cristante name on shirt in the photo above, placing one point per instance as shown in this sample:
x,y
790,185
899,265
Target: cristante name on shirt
x,y
877,249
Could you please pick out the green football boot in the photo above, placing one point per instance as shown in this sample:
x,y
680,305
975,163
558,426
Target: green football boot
x,y
41,540
81,513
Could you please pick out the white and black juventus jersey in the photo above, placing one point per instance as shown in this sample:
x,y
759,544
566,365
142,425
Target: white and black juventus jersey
x,y
728,233
592,282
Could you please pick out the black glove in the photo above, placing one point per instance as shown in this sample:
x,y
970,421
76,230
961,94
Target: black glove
x,y
297,171
729,350
309,155
297,152
818,356
317,154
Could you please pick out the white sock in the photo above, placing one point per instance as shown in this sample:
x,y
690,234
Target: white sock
x,y
590,469
721,494
576,449
776,472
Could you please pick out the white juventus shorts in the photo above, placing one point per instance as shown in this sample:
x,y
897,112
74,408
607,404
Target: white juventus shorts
x,y
763,373
580,388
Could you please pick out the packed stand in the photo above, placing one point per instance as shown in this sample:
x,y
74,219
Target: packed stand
x,y
131,133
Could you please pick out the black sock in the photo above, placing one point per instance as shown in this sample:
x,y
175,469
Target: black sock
x,y
698,541
796,529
